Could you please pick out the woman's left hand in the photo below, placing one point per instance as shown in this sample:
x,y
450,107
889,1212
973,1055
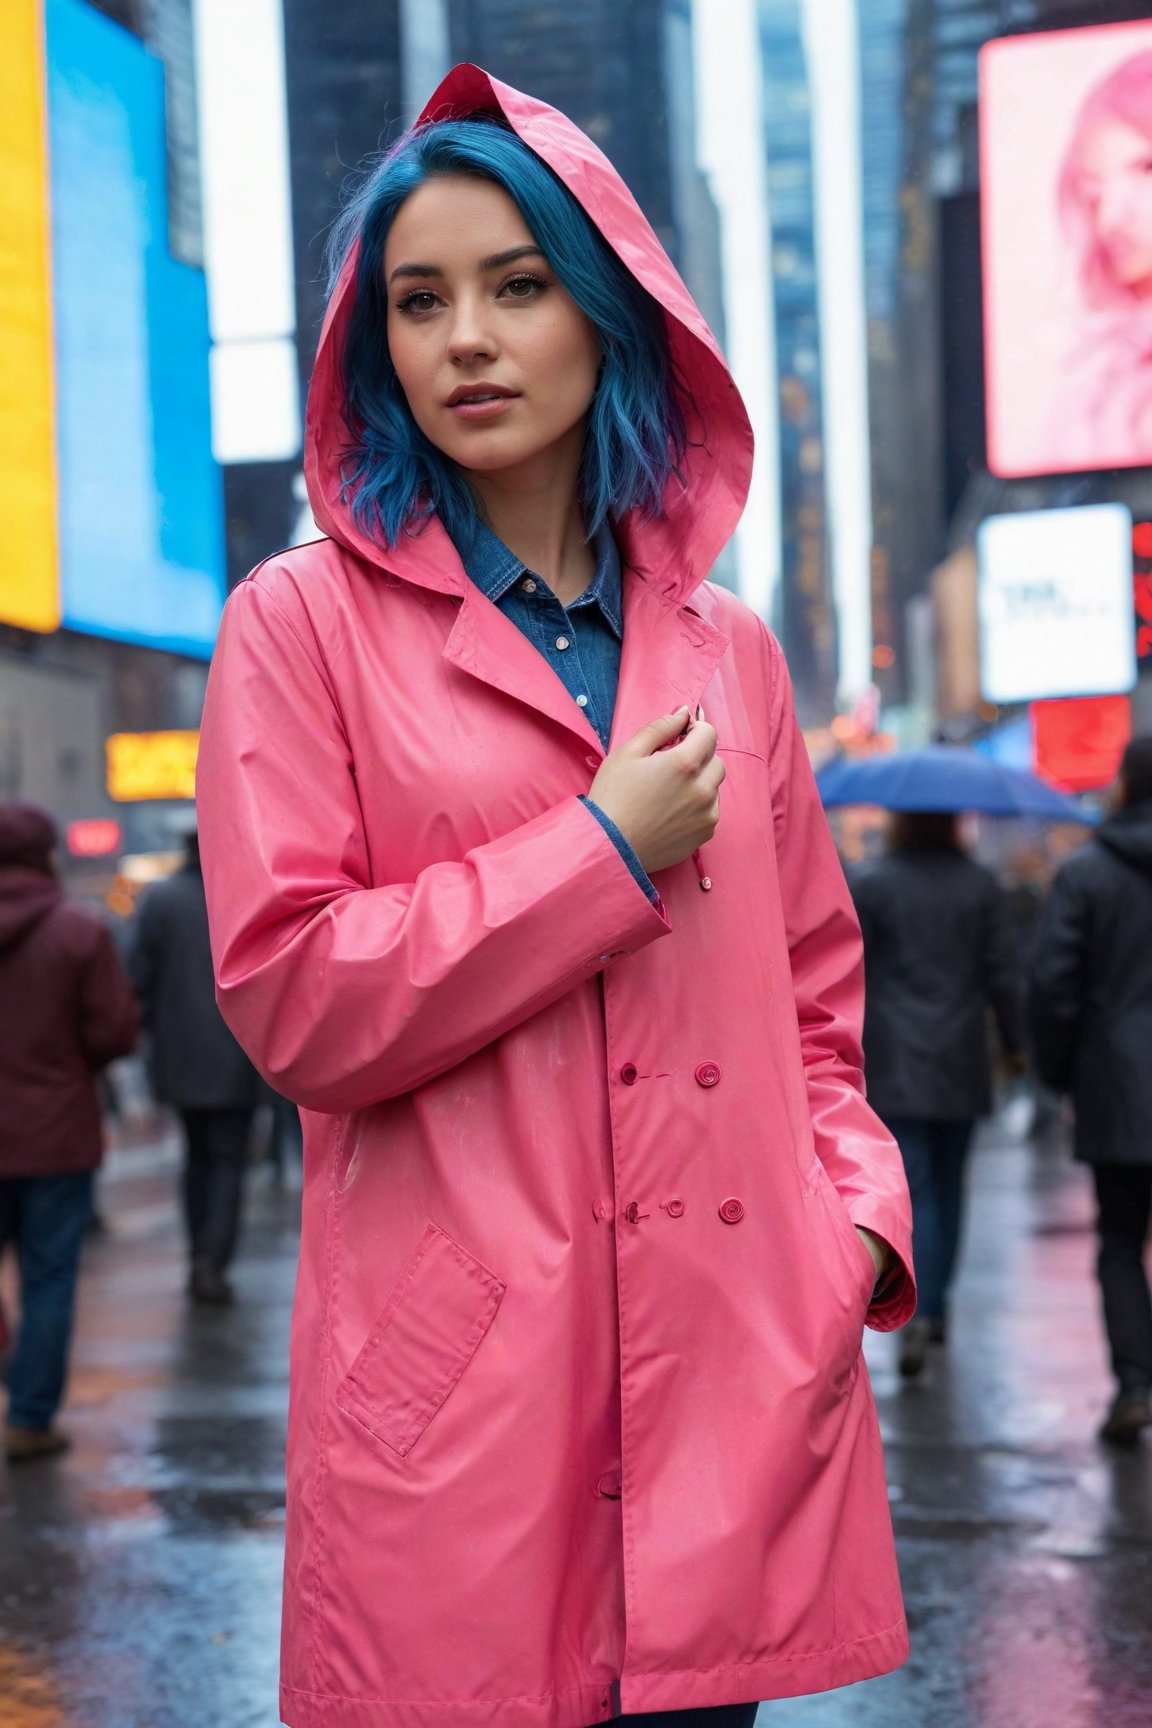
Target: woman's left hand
x,y
879,1251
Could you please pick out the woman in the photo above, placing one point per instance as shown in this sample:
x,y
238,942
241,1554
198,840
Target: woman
x,y
1102,414
939,953
577,1426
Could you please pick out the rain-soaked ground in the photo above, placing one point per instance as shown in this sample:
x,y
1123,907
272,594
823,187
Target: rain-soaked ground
x,y
140,1576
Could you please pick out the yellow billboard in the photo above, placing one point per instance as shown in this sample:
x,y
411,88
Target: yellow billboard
x,y
151,765
29,588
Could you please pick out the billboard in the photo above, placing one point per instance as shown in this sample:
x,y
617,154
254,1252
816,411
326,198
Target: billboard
x,y
1066,175
1055,604
29,592
116,498
1077,743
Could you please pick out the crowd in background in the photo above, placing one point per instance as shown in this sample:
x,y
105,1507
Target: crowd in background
x,y
1059,966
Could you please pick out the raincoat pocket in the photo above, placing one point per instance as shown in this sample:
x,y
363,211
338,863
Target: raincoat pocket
x,y
431,1327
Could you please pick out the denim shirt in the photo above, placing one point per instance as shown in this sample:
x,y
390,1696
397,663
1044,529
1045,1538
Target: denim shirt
x,y
581,642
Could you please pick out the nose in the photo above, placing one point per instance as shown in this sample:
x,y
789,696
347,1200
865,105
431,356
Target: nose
x,y
470,337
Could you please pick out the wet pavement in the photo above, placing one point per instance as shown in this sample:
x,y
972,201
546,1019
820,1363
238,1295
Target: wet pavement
x,y
140,1575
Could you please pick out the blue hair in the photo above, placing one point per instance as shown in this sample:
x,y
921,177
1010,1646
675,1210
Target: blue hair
x,y
395,477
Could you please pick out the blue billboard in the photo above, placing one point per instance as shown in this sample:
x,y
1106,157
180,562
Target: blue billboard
x,y
140,498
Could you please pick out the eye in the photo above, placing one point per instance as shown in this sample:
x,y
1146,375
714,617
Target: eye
x,y
524,287
419,300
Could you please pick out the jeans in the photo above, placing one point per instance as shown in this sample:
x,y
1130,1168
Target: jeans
x,y
45,1217
934,1154
1124,1194
215,1160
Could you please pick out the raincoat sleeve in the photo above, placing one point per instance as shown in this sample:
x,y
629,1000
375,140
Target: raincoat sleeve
x,y
826,954
343,991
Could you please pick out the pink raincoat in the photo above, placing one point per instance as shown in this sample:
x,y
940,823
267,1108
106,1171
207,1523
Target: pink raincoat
x,y
578,1422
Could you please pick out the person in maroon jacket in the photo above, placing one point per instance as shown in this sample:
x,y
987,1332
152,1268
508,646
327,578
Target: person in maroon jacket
x,y
66,1010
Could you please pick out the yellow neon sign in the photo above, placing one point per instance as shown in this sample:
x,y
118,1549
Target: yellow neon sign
x,y
151,765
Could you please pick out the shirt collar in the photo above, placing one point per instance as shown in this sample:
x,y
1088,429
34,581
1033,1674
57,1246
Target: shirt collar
x,y
495,569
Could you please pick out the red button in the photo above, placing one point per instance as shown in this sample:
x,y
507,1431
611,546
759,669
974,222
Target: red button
x,y
674,1208
708,1074
609,1486
633,1213
629,1074
732,1210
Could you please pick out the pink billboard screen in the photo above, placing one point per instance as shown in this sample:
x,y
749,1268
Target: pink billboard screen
x,y
1066,176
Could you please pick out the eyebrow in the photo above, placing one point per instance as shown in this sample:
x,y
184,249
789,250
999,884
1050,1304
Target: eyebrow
x,y
495,262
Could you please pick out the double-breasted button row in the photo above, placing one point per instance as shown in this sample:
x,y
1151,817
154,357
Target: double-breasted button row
x,y
707,1074
731,1210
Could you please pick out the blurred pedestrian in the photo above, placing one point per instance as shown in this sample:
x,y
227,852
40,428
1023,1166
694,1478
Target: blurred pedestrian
x,y
66,1010
1090,1014
595,1211
196,1066
939,951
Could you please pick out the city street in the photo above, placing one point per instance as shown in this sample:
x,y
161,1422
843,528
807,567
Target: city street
x,y
139,1576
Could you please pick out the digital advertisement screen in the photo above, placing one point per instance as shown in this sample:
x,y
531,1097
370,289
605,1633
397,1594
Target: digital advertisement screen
x,y
1066,177
1055,603
109,489
140,498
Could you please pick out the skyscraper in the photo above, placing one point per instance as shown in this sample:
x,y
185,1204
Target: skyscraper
x,y
806,619
624,75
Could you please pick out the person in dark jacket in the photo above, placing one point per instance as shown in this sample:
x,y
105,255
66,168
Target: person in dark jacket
x,y
1090,1017
196,1067
938,953
66,1010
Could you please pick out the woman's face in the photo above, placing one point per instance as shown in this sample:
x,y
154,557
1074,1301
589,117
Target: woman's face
x,y
496,360
1116,183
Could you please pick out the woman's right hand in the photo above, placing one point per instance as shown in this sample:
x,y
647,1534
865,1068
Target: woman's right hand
x,y
662,789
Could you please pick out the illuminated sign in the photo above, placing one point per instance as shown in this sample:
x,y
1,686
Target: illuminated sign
x,y
29,591
1142,556
1065,125
151,765
97,837
111,499
1055,604
1077,744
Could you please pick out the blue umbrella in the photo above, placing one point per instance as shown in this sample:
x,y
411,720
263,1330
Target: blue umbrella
x,y
944,777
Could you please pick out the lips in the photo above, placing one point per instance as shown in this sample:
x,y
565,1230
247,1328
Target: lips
x,y
466,394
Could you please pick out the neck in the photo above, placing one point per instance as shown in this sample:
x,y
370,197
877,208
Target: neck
x,y
535,510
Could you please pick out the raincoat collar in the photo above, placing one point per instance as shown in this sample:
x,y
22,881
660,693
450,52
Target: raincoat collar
x,y
674,553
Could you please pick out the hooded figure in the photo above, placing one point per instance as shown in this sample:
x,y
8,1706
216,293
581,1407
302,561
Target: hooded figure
x,y
1090,1014
579,1424
66,1010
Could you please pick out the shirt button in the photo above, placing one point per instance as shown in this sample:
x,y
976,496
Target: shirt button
x,y
629,1074
674,1207
592,761
528,585
562,642
633,1213
581,701
732,1210
708,1074
609,1487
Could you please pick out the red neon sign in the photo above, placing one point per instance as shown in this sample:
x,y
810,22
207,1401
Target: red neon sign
x,y
96,837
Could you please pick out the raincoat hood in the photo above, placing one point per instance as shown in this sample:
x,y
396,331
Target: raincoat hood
x,y
26,896
1129,835
677,550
